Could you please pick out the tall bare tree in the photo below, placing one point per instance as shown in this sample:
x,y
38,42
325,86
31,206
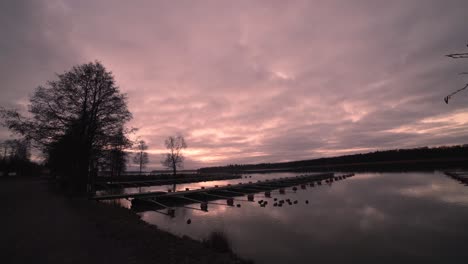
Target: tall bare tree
x,y
174,158
73,119
141,157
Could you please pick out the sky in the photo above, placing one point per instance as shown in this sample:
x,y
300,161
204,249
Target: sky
x,y
255,81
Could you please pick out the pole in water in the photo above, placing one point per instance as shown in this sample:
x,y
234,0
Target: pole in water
x,y
171,212
204,206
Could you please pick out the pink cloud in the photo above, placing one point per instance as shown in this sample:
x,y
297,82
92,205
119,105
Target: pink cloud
x,y
253,82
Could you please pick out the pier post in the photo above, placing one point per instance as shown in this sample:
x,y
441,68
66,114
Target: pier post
x,y
171,212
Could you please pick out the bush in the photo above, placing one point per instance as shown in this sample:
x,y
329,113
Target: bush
x,y
218,241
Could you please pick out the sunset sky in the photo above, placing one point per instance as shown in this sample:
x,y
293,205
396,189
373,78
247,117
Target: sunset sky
x,y
255,81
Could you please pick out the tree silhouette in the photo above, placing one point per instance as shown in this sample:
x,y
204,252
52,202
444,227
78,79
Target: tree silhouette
x,y
73,119
141,157
396,159
15,157
15,149
457,56
174,159
114,157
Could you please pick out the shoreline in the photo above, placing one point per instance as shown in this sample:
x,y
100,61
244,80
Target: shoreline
x,y
42,225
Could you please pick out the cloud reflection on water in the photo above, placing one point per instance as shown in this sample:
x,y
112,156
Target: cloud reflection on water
x,y
402,215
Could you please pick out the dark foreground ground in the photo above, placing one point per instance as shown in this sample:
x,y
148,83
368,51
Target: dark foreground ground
x,y
39,226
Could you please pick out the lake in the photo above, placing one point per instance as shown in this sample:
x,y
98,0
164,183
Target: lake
x,y
414,217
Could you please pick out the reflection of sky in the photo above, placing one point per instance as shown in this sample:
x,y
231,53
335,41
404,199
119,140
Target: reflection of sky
x,y
438,190
412,217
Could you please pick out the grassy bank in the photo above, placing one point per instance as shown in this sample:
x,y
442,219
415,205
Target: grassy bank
x,y
42,226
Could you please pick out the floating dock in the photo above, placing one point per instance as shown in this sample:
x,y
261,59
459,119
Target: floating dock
x,y
262,189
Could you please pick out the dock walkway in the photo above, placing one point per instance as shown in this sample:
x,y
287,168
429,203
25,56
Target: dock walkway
x,y
204,196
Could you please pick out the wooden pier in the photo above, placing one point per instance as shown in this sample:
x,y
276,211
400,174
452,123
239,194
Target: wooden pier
x,y
260,189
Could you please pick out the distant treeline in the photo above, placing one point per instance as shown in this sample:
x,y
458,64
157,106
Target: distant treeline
x,y
398,159
15,159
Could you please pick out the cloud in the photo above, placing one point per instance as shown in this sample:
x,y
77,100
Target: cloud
x,y
249,82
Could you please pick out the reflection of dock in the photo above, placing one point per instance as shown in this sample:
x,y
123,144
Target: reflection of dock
x,y
461,176
203,196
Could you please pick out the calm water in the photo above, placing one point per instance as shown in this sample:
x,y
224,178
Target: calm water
x,y
371,217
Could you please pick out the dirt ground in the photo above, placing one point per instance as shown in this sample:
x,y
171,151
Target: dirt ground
x,y
40,226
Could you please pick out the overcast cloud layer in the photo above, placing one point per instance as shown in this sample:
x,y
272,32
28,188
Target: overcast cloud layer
x,y
255,81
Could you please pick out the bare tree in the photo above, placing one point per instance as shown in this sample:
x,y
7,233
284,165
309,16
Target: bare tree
x,y
15,149
20,149
73,119
15,156
457,56
174,159
7,149
141,157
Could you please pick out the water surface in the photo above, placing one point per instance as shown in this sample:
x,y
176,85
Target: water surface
x,y
371,217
